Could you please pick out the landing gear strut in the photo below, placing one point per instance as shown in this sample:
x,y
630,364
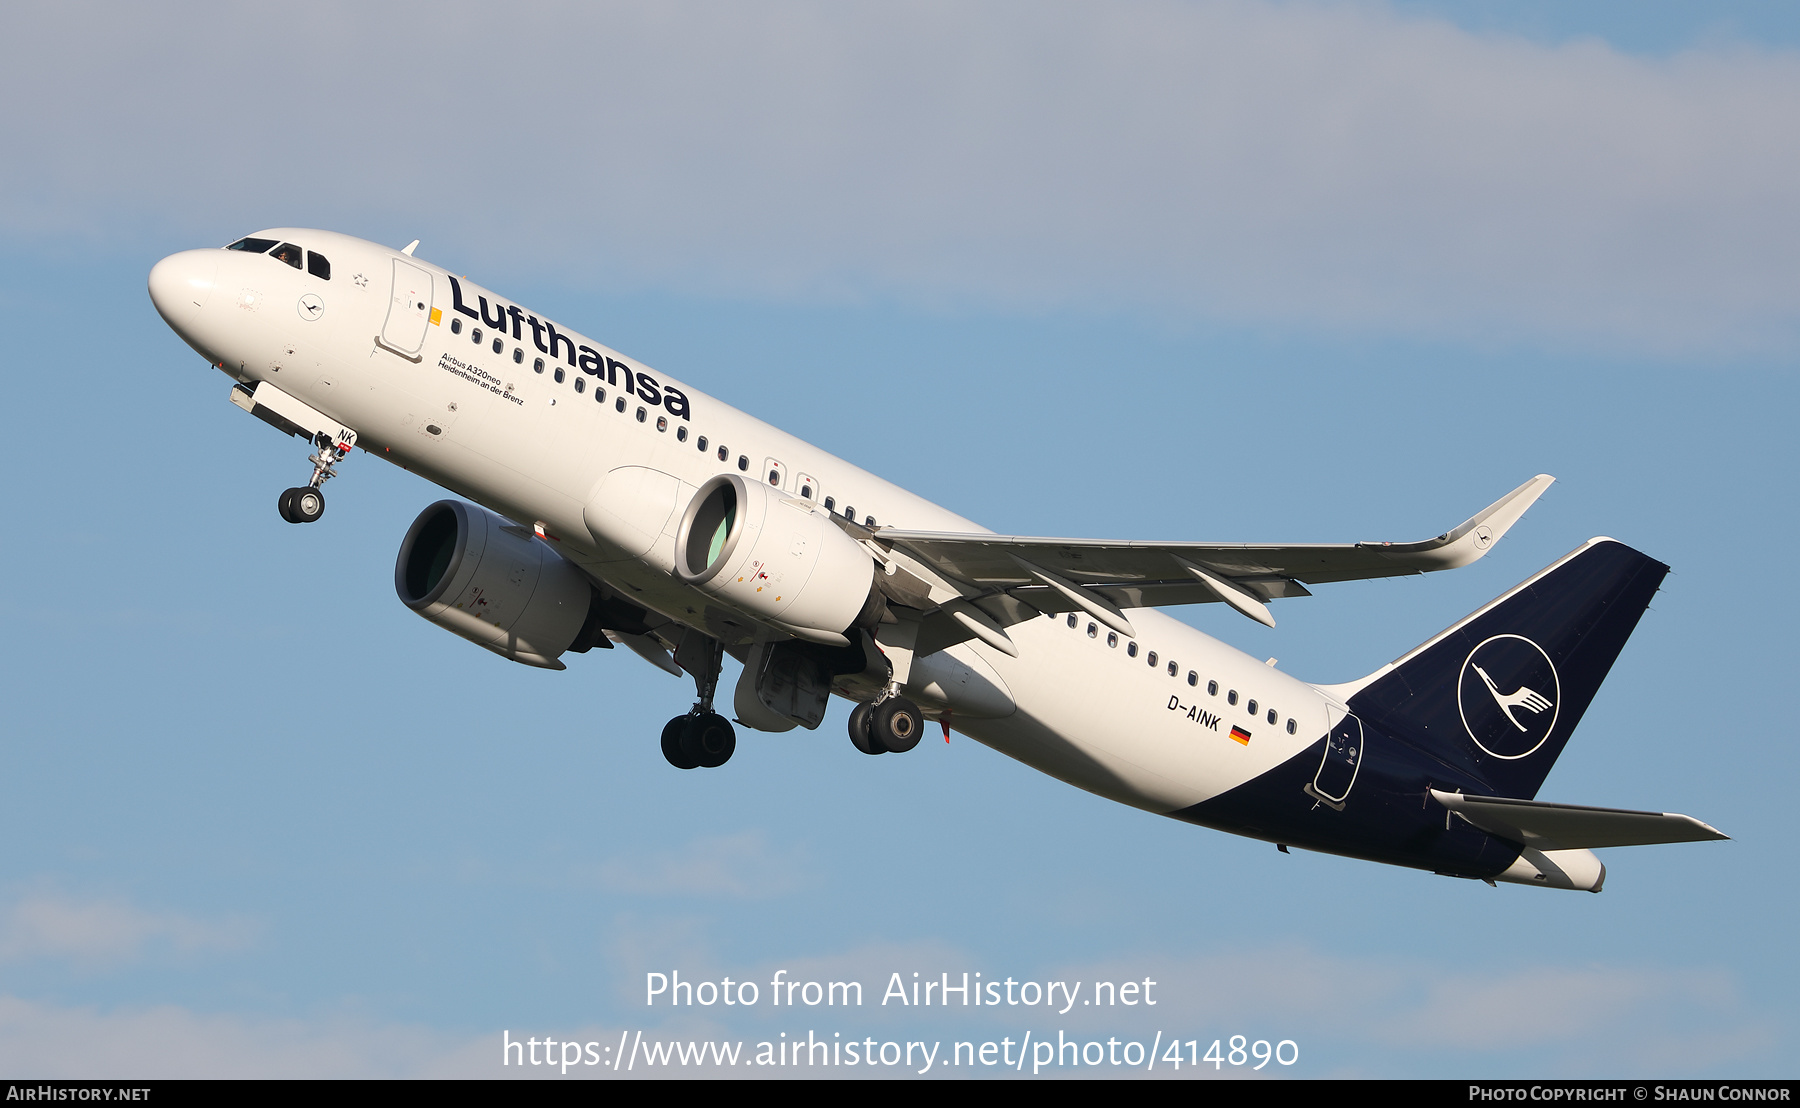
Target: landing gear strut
x,y
703,738
307,503
890,725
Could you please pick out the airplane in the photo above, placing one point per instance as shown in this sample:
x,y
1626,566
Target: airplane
x,y
604,503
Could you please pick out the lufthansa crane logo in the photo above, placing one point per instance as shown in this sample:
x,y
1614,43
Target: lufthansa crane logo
x,y
1508,694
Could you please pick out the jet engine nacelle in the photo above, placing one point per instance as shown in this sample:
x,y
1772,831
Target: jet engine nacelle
x,y
776,559
492,582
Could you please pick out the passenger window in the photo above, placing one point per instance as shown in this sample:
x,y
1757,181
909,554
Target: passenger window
x,y
580,382
1072,620
1093,631
775,477
1231,697
498,345
868,521
662,423
641,414
831,503
850,513
701,444
1152,658
724,453
1212,688
1112,638
318,266
252,246
1291,727
1193,678
1131,650
475,336
681,433
743,463
289,253
1272,717
619,404
599,394
456,326
519,359
537,365
1174,669
1252,707
559,375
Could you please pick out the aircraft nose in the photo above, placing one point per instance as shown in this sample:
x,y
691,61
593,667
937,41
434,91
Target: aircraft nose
x,y
181,283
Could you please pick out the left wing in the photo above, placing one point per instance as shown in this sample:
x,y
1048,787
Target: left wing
x,y
1011,578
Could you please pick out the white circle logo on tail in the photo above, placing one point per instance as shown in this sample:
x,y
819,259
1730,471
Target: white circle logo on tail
x,y
1509,696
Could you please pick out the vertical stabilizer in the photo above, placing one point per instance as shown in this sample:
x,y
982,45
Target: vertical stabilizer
x,y
1500,692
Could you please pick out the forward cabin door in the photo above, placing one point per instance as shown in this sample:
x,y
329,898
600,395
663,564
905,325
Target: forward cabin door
x,y
409,311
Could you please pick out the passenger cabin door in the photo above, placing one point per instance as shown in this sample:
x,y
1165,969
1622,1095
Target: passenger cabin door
x,y
409,311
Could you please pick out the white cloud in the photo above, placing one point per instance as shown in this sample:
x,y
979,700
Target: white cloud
x,y
1318,164
50,1041
1576,1019
105,931
743,865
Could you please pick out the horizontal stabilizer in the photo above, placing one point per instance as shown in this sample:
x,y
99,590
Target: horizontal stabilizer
x,y
1569,826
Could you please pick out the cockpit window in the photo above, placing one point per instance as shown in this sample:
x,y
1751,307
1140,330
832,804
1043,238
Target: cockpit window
x,y
253,246
318,266
289,253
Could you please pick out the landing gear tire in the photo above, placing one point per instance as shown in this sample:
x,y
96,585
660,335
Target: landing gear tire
x,y
859,731
708,739
671,744
896,724
302,505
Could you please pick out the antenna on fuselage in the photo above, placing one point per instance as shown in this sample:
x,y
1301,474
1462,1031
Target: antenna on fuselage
x,y
410,247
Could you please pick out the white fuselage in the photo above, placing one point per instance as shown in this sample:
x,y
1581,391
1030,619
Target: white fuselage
x,y
1078,702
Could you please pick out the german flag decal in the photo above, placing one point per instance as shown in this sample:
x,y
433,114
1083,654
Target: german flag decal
x,y
1241,735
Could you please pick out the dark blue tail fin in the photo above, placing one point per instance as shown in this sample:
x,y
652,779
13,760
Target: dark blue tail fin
x,y
1500,692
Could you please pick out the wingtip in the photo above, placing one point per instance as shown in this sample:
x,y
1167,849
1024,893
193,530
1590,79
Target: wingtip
x,y
1476,535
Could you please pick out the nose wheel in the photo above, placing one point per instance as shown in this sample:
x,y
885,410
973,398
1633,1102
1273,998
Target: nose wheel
x,y
307,503
302,505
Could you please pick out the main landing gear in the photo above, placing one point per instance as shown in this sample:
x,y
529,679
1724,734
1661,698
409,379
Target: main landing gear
x,y
890,725
703,738
307,503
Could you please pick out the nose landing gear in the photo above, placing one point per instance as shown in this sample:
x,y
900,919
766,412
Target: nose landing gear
x,y
307,503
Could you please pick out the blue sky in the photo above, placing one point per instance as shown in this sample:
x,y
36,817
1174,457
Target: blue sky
x,y
1238,271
